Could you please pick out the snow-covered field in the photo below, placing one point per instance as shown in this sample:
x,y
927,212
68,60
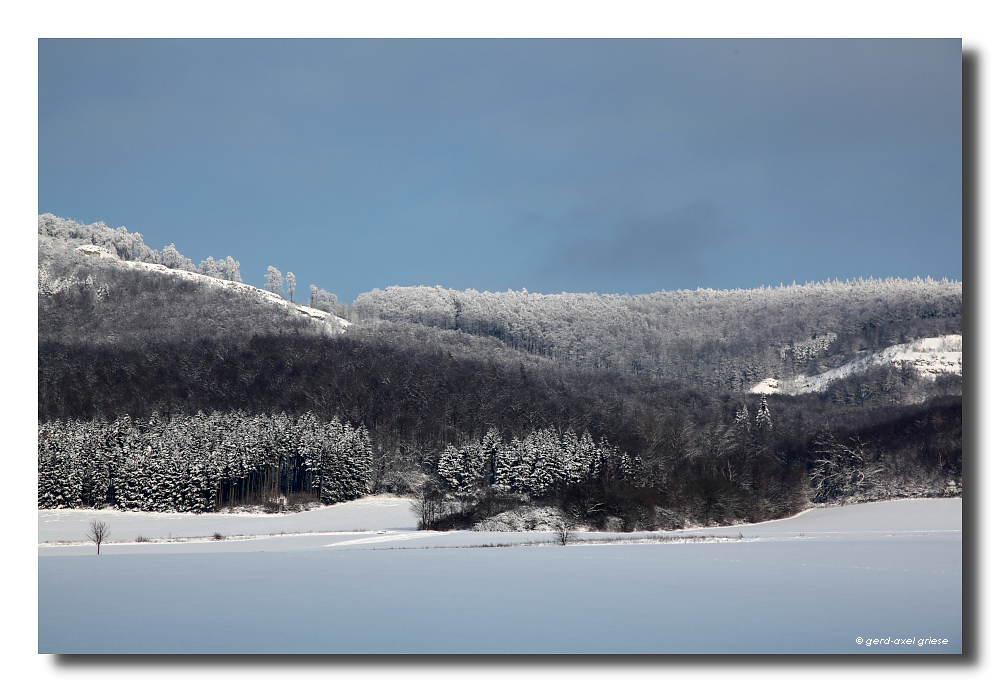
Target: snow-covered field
x,y
889,574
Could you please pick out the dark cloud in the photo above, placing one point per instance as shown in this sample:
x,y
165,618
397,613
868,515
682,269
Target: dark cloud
x,y
672,243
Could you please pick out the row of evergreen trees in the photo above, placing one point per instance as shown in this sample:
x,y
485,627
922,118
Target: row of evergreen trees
x,y
732,474
200,463
536,465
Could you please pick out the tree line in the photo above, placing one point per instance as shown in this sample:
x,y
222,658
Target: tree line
x,y
81,300
200,463
58,234
729,339
416,399
130,247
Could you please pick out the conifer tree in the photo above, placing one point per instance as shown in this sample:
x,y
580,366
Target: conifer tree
x,y
451,467
743,419
763,415
489,450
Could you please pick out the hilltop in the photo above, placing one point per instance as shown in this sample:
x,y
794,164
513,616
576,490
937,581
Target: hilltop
x,y
98,285
329,323
727,339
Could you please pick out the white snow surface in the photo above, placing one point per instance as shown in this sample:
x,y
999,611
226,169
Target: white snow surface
x,y
96,251
268,296
369,513
931,357
813,583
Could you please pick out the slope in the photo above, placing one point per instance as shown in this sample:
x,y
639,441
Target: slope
x,y
329,324
930,357
730,339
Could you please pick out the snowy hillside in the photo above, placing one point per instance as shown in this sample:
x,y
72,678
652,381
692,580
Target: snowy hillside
x,y
334,322
930,357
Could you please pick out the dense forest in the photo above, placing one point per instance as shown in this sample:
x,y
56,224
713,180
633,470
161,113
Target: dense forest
x,y
620,411
729,339
200,463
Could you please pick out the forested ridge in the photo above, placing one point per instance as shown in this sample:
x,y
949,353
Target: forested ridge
x,y
720,338
621,411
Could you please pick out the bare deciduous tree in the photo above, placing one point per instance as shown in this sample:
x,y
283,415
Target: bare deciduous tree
x,y
428,506
98,533
564,533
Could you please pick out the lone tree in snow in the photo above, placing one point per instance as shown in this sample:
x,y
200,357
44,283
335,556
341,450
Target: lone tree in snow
x,y
98,533
564,533
290,280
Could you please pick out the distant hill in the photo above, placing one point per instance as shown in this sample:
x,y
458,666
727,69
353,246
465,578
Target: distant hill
x,y
729,339
650,411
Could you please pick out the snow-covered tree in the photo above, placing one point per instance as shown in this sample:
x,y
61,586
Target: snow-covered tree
x,y
209,267
172,259
575,456
322,300
514,466
743,419
544,459
488,452
763,415
198,463
231,271
275,284
452,468
290,280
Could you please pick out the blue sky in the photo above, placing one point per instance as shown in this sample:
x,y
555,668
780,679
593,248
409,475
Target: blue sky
x,y
612,166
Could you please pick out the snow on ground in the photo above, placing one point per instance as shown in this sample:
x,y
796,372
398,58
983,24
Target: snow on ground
x,y
96,251
369,513
931,357
814,583
874,518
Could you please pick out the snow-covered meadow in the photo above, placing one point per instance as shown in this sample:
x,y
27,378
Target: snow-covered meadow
x,y
358,578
